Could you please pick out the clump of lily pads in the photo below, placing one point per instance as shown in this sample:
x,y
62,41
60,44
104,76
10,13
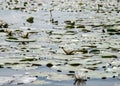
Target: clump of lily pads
x,y
3,24
72,52
69,24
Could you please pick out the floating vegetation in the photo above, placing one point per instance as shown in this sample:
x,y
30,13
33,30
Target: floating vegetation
x,y
17,79
12,38
18,8
83,50
29,59
3,24
88,33
68,52
26,35
75,64
85,30
109,56
49,65
111,30
9,33
69,24
20,40
30,19
80,26
95,51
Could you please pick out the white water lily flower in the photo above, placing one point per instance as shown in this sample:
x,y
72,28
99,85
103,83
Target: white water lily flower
x,y
80,75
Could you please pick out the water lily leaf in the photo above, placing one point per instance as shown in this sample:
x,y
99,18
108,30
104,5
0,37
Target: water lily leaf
x,y
12,38
75,64
80,26
85,30
40,82
115,63
22,66
113,70
100,74
21,40
95,51
5,79
58,77
70,26
111,30
30,19
109,56
68,68
24,79
49,65
9,61
29,59
70,32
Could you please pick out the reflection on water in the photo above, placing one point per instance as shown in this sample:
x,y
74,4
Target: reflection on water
x,y
79,83
117,84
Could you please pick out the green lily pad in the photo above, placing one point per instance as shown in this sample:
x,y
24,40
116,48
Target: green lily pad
x,y
29,59
58,77
30,19
75,64
100,74
109,56
12,38
40,82
20,40
49,65
70,26
80,26
111,30
95,51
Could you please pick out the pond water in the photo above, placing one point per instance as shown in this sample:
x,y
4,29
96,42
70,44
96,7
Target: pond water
x,y
46,42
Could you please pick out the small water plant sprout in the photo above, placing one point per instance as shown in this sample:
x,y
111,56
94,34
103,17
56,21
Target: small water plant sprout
x,y
68,52
52,20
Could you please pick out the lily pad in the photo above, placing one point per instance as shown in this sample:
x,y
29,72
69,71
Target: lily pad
x,y
20,40
30,19
40,82
28,59
109,56
95,51
58,77
75,64
12,38
49,65
111,30
100,74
